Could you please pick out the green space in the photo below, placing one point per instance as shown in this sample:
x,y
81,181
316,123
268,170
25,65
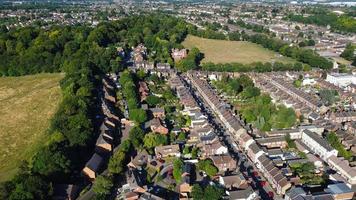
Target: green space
x,y
256,108
224,51
306,172
26,105
335,143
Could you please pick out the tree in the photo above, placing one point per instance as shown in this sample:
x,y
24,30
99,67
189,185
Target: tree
x,y
51,161
328,97
30,187
213,192
209,193
136,136
335,143
152,140
138,115
186,150
311,42
290,142
118,161
153,100
192,61
181,136
250,92
197,192
102,185
195,152
207,166
178,169
348,53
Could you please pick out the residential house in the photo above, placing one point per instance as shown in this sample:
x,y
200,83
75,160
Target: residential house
x,y
254,152
215,148
155,125
179,54
158,112
273,142
143,90
231,182
140,160
167,151
336,191
93,166
273,174
340,117
342,167
104,142
224,163
185,187
65,192
198,119
245,194
318,145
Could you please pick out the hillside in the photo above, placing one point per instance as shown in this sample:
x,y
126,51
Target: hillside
x,y
26,105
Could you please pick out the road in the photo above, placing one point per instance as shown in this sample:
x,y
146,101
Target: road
x,y
246,166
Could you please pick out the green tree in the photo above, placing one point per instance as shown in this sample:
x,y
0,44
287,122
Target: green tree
x,y
197,192
181,136
153,100
152,140
207,166
136,136
138,115
102,185
335,143
210,192
178,169
328,97
51,161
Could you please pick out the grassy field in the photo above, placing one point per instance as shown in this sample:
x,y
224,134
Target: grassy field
x,y
26,105
223,51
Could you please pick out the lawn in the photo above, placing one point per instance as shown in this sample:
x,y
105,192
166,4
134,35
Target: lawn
x,y
26,105
223,51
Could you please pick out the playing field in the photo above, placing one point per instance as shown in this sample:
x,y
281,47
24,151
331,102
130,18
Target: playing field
x,y
223,51
26,105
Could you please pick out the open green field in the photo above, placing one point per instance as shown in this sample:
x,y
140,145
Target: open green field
x,y
27,104
223,51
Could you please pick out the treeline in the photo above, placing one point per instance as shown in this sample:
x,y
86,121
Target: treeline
x,y
192,61
341,23
206,33
71,134
306,56
253,67
33,50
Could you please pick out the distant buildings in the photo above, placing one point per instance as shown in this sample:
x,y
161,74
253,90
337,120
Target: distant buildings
x,y
341,80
